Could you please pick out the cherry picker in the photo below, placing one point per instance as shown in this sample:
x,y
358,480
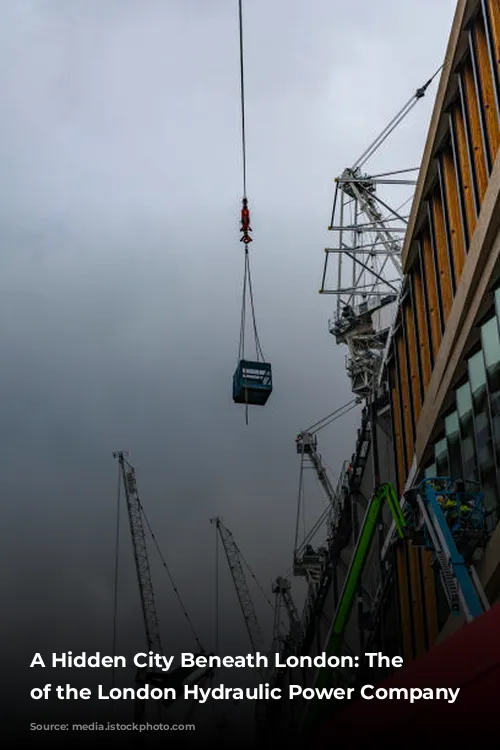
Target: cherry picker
x,y
445,516
448,518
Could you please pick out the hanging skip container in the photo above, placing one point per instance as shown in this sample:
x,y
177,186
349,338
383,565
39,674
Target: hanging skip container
x,y
252,383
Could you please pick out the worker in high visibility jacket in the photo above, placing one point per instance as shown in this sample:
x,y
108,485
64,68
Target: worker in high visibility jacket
x,y
456,508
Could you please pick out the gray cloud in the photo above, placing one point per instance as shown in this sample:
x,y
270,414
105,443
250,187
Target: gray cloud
x,y
121,272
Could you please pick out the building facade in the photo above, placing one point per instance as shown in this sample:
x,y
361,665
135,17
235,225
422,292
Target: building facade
x,y
437,410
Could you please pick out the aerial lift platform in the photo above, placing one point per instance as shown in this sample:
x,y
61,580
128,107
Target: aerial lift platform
x,y
443,515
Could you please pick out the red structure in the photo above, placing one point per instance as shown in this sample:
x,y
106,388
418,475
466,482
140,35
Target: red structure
x,y
469,660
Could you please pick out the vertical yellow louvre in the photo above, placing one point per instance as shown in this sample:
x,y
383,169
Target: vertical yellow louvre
x,y
457,239
476,135
465,169
409,324
487,86
423,337
398,435
431,292
406,398
494,13
443,261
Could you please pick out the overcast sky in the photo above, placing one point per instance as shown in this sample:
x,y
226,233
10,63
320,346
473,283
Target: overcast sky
x,y
121,276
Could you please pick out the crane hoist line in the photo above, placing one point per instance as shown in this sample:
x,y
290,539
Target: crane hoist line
x,y
252,379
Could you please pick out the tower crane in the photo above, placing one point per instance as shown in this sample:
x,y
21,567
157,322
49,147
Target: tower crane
x,y
368,235
281,589
233,557
307,561
279,712
136,516
139,546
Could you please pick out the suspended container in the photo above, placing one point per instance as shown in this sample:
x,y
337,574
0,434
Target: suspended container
x,y
252,383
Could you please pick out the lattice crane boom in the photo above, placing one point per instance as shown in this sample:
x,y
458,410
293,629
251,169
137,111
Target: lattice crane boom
x,y
293,614
233,557
134,510
368,239
307,447
281,588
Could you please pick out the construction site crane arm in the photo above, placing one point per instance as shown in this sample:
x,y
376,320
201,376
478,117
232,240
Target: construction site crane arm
x,y
306,445
339,412
366,252
281,589
419,93
136,517
139,545
233,557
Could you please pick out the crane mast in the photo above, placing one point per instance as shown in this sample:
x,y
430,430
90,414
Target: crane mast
x,y
143,571
368,252
233,556
307,445
368,239
307,561
281,589
180,675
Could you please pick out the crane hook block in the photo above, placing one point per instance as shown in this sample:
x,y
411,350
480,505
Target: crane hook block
x,y
245,223
252,383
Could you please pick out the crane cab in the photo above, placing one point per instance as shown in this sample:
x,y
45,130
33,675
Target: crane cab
x,y
252,383
306,442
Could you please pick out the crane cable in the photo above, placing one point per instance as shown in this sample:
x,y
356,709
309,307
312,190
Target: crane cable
x,y
242,94
243,559
176,590
260,587
247,279
419,94
339,412
247,283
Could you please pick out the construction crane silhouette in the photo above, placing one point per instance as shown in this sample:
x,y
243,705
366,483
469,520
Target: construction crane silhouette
x,y
136,518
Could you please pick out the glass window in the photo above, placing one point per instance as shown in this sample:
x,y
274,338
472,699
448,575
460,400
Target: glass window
x,y
497,303
467,439
484,441
491,343
491,348
452,429
441,457
430,471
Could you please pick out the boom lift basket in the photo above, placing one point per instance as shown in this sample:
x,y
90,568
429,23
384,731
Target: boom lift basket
x,y
252,383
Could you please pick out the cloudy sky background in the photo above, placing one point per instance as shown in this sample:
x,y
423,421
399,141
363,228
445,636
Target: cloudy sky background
x,y
121,274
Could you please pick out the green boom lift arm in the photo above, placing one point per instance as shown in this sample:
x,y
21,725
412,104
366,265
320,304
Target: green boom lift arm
x,y
383,493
